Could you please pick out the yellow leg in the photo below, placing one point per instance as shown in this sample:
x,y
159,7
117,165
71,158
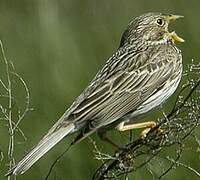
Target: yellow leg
x,y
147,125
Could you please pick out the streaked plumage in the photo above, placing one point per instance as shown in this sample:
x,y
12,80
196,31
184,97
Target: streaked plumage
x,y
143,72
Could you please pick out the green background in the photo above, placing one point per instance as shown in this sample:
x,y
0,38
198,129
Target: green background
x,y
57,47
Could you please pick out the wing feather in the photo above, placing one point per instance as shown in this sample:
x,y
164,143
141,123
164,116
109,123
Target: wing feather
x,y
122,91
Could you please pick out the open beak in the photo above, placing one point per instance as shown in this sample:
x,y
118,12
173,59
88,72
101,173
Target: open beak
x,y
173,35
174,17
176,38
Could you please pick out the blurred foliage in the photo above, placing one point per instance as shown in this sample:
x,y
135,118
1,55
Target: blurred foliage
x,y
57,47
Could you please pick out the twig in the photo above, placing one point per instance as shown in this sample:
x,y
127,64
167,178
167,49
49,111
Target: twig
x,y
12,120
176,127
27,102
9,89
185,166
56,161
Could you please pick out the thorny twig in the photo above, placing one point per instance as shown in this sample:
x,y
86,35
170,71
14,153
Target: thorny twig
x,y
9,113
184,165
177,127
6,111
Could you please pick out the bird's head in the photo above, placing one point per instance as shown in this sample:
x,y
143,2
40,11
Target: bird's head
x,y
151,28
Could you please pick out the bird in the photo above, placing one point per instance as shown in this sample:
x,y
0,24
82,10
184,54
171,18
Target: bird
x,y
141,75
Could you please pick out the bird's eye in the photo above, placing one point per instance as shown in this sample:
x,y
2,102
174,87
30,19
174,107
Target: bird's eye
x,y
160,22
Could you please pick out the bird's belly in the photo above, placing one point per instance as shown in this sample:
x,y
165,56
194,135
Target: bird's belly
x,y
157,99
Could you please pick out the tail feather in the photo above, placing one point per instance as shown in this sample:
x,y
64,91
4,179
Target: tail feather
x,y
48,142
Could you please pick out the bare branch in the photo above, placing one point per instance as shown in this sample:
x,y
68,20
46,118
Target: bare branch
x,y
177,127
6,111
9,89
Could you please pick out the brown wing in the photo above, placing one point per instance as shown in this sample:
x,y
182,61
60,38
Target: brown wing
x,y
123,89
